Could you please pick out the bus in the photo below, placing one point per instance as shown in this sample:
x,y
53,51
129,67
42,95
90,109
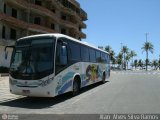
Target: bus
x,y
48,65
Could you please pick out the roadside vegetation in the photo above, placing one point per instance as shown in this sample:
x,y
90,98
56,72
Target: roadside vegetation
x,y
126,57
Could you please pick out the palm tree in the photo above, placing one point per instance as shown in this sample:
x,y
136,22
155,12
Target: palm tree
x,y
135,63
128,57
155,64
132,54
111,53
159,64
108,48
119,59
147,47
140,63
124,52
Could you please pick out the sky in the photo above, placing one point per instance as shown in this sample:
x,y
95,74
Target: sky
x,y
112,22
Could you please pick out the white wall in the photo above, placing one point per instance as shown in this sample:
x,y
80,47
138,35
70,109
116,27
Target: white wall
x,y
5,62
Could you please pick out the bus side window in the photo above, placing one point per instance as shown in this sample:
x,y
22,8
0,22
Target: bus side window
x,y
103,57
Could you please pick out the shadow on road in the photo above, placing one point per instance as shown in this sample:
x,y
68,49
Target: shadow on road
x,y
41,102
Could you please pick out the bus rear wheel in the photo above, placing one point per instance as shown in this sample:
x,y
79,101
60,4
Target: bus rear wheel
x,y
76,87
103,78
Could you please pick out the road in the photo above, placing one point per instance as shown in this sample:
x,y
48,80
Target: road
x,y
126,92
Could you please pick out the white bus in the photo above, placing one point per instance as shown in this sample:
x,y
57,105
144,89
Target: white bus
x,y
48,65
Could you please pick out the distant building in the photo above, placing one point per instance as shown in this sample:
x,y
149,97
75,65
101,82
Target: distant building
x,y
19,18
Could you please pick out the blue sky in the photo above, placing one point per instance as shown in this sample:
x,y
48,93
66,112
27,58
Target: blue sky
x,y
112,22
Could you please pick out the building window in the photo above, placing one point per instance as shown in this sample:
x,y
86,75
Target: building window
x,y
52,26
14,13
4,9
63,31
13,34
38,2
63,17
53,10
37,20
3,32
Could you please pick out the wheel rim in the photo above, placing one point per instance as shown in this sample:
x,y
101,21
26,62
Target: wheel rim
x,y
75,87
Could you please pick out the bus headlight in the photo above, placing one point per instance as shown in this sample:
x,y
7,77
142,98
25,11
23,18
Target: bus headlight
x,y
12,82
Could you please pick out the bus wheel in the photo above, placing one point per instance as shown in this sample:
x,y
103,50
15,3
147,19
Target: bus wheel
x,y
103,78
76,87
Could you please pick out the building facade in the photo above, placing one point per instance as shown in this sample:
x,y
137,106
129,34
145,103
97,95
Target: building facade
x,y
19,18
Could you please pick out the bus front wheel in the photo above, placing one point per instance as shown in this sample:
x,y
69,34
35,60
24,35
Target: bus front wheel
x,y
76,87
103,78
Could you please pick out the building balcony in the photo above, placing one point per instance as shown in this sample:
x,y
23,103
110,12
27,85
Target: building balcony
x,y
42,11
24,25
82,25
67,10
74,2
83,14
82,35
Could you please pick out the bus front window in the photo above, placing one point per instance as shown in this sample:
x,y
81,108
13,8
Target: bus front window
x,y
34,61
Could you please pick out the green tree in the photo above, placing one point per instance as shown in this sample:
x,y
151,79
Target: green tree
x,y
159,64
132,55
127,60
155,64
108,48
112,56
124,52
111,53
119,59
140,63
135,63
147,47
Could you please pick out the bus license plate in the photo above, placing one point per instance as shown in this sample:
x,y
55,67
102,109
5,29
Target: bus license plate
x,y
26,91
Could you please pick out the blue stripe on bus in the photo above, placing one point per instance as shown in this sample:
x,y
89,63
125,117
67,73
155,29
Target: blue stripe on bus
x,y
84,82
65,87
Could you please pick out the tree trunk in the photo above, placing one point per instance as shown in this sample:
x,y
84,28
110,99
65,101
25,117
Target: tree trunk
x,y
147,60
124,61
132,63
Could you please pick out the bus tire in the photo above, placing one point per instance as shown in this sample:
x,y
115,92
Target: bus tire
x,y
76,87
104,78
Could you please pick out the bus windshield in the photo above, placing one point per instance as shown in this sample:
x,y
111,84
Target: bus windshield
x,y
32,59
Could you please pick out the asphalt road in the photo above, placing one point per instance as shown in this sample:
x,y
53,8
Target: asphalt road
x,y
126,92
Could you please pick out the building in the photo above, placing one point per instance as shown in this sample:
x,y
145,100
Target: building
x,y
19,18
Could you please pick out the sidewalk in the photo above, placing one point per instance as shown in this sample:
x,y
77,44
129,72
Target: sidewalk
x,y
4,90
4,78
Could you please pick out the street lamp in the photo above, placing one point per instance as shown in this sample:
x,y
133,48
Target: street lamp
x,y
146,36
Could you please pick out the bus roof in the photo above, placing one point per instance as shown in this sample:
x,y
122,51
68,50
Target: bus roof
x,y
58,35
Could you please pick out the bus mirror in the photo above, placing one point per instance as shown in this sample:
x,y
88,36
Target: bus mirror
x,y
63,55
6,52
